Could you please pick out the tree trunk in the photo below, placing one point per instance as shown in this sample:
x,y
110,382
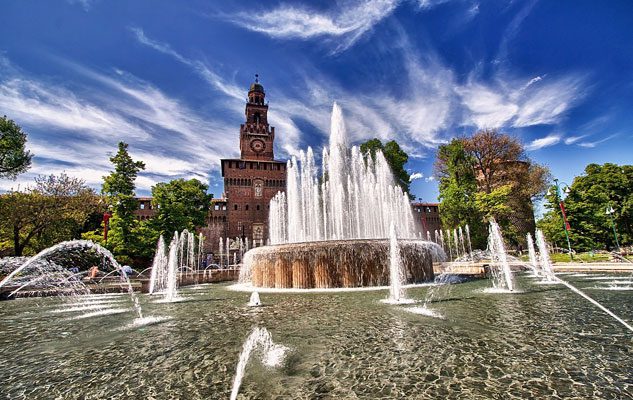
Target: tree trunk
x,y
17,248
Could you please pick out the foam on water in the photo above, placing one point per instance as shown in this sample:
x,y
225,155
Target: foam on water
x,y
145,321
99,313
424,311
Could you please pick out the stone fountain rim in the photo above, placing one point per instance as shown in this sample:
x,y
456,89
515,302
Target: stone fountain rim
x,y
333,243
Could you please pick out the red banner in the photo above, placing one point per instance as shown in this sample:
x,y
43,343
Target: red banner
x,y
562,209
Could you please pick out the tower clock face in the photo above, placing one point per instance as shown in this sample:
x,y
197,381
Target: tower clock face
x,y
258,145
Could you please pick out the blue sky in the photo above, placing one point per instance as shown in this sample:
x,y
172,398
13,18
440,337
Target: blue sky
x,y
170,79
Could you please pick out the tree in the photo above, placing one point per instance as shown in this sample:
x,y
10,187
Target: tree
x,y
395,156
458,191
506,181
181,205
14,158
119,191
601,186
53,210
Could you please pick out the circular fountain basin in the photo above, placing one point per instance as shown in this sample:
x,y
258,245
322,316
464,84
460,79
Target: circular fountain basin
x,y
336,263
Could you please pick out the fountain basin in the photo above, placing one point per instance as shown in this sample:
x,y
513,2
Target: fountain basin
x,y
336,263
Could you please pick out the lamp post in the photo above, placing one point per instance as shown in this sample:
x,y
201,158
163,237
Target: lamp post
x,y
610,212
561,204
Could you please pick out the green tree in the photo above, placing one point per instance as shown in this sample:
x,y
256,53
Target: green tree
x,y
395,156
53,210
119,191
601,186
502,183
458,191
180,205
14,158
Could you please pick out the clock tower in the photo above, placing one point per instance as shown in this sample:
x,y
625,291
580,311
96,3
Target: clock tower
x,y
256,136
251,180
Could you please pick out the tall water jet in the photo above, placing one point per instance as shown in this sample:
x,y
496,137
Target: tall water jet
x,y
335,208
501,273
159,266
396,291
545,263
470,246
171,286
532,254
272,355
456,240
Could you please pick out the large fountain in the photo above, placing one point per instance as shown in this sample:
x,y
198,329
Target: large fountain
x,y
332,230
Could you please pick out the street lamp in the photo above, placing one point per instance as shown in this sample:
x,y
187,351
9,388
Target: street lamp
x,y
561,204
610,212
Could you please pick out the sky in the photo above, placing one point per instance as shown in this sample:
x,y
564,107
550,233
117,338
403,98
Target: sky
x,y
171,78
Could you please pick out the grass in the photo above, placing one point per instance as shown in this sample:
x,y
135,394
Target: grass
x,y
580,257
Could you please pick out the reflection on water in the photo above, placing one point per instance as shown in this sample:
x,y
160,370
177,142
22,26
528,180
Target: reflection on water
x,y
541,343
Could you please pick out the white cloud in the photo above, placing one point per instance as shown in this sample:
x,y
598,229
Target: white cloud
x,y
547,141
72,128
507,102
593,144
347,23
429,178
50,106
573,139
415,175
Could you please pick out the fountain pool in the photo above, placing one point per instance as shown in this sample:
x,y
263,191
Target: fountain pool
x,y
534,344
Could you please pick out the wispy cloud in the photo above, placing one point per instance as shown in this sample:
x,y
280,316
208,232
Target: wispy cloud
x,y
593,144
429,178
415,175
347,23
72,128
506,101
547,141
573,139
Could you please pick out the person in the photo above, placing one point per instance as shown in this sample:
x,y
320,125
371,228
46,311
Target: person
x,y
93,272
128,270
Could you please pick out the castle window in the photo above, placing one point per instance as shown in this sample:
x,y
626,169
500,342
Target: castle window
x,y
142,206
235,207
223,208
258,207
246,207
216,208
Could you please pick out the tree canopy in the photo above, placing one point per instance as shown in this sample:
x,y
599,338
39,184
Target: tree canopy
x,y
601,186
488,175
119,191
14,158
395,156
181,204
53,210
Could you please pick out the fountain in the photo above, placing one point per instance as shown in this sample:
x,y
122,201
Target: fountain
x,y
396,275
272,355
501,275
544,261
170,263
69,245
533,264
254,300
157,275
333,232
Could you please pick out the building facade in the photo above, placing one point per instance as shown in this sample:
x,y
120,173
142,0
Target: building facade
x,y
250,182
427,215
